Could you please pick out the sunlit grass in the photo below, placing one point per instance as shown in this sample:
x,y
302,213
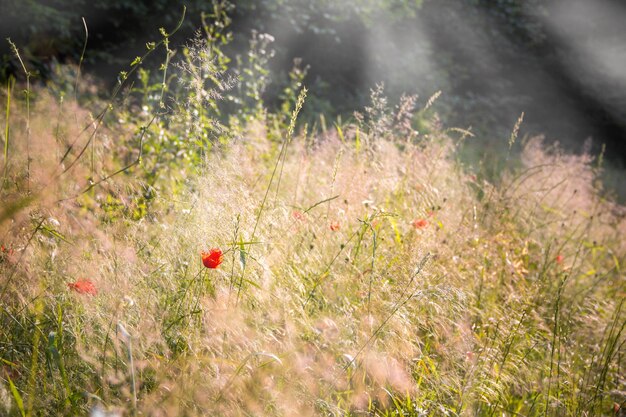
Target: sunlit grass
x,y
269,270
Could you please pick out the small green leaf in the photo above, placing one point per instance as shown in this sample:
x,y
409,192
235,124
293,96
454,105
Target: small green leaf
x,y
54,233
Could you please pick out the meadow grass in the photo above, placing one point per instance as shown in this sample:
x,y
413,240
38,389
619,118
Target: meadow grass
x,y
366,270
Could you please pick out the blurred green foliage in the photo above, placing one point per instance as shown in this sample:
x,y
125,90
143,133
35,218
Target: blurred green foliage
x,y
477,51
333,37
53,30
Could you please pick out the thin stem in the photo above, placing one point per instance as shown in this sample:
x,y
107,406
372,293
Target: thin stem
x,y
294,116
10,84
27,93
80,61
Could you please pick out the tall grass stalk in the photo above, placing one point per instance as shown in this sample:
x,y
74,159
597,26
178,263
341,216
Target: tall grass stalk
x,y
80,61
10,85
33,379
290,130
127,339
281,155
27,94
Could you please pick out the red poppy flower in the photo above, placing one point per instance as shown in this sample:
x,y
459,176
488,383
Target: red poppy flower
x,y
213,258
334,226
298,215
83,286
420,223
5,254
559,259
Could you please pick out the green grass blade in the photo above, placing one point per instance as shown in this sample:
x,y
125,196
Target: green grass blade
x,y
17,397
10,84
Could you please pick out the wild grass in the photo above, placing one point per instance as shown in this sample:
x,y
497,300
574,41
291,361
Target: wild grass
x,y
366,271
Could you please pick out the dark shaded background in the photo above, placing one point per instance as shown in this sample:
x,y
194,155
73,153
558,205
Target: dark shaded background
x,y
562,62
